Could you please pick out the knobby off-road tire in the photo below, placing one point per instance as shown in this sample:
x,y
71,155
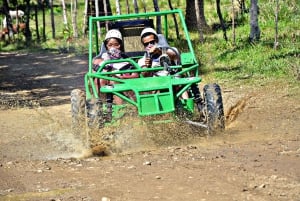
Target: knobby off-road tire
x,y
214,110
78,114
95,122
96,118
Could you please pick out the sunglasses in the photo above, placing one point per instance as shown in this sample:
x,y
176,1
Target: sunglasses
x,y
152,42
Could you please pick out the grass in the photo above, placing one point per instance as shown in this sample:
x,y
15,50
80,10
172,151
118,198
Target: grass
x,y
220,60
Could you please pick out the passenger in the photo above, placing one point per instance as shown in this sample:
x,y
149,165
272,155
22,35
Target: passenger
x,y
113,43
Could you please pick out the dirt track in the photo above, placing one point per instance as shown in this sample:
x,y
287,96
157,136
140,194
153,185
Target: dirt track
x,y
257,158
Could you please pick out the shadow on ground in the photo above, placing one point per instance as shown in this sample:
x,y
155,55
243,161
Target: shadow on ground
x,y
43,79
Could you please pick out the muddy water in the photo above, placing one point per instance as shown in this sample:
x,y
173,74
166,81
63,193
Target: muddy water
x,y
45,133
37,134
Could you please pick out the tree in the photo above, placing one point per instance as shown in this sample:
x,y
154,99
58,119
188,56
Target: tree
x,y
254,27
276,25
136,7
42,4
158,18
198,21
52,19
190,15
91,7
36,23
65,19
127,7
174,18
118,7
221,19
27,29
8,18
74,18
233,21
97,14
85,17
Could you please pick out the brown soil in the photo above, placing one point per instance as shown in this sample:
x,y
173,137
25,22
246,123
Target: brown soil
x,y
256,158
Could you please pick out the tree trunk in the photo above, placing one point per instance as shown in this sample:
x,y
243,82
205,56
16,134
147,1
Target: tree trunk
x,y
65,20
85,18
221,19
190,16
97,15
254,27
118,7
144,5
36,23
233,22
52,19
276,25
174,18
27,27
127,6
199,27
158,18
136,7
105,13
74,18
242,6
44,21
8,19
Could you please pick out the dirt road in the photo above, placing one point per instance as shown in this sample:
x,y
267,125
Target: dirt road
x,y
256,158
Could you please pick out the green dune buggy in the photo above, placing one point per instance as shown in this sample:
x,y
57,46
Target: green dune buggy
x,y
153,96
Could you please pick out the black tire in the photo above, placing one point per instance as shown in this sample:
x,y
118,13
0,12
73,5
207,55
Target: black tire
x,y
96,117
214,110
78,113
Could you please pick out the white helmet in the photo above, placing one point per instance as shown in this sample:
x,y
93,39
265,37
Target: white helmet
x,y
147,31
113,33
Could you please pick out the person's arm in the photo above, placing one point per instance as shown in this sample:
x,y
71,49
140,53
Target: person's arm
x,y
96,63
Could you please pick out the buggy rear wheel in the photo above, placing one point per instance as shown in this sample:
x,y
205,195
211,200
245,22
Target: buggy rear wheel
x,y
214,110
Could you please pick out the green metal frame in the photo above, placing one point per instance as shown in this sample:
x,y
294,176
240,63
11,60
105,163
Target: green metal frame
x,y
147,102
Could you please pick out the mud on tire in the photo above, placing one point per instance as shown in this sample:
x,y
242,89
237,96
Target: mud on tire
x,y
78,113
95,115
214,109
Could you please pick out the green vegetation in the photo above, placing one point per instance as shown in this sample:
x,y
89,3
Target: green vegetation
x,y
220,60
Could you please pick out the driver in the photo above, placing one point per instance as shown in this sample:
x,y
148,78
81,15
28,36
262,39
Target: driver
x,y
150,41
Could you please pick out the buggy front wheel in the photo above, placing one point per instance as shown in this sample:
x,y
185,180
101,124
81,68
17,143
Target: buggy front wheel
x,y
214,110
